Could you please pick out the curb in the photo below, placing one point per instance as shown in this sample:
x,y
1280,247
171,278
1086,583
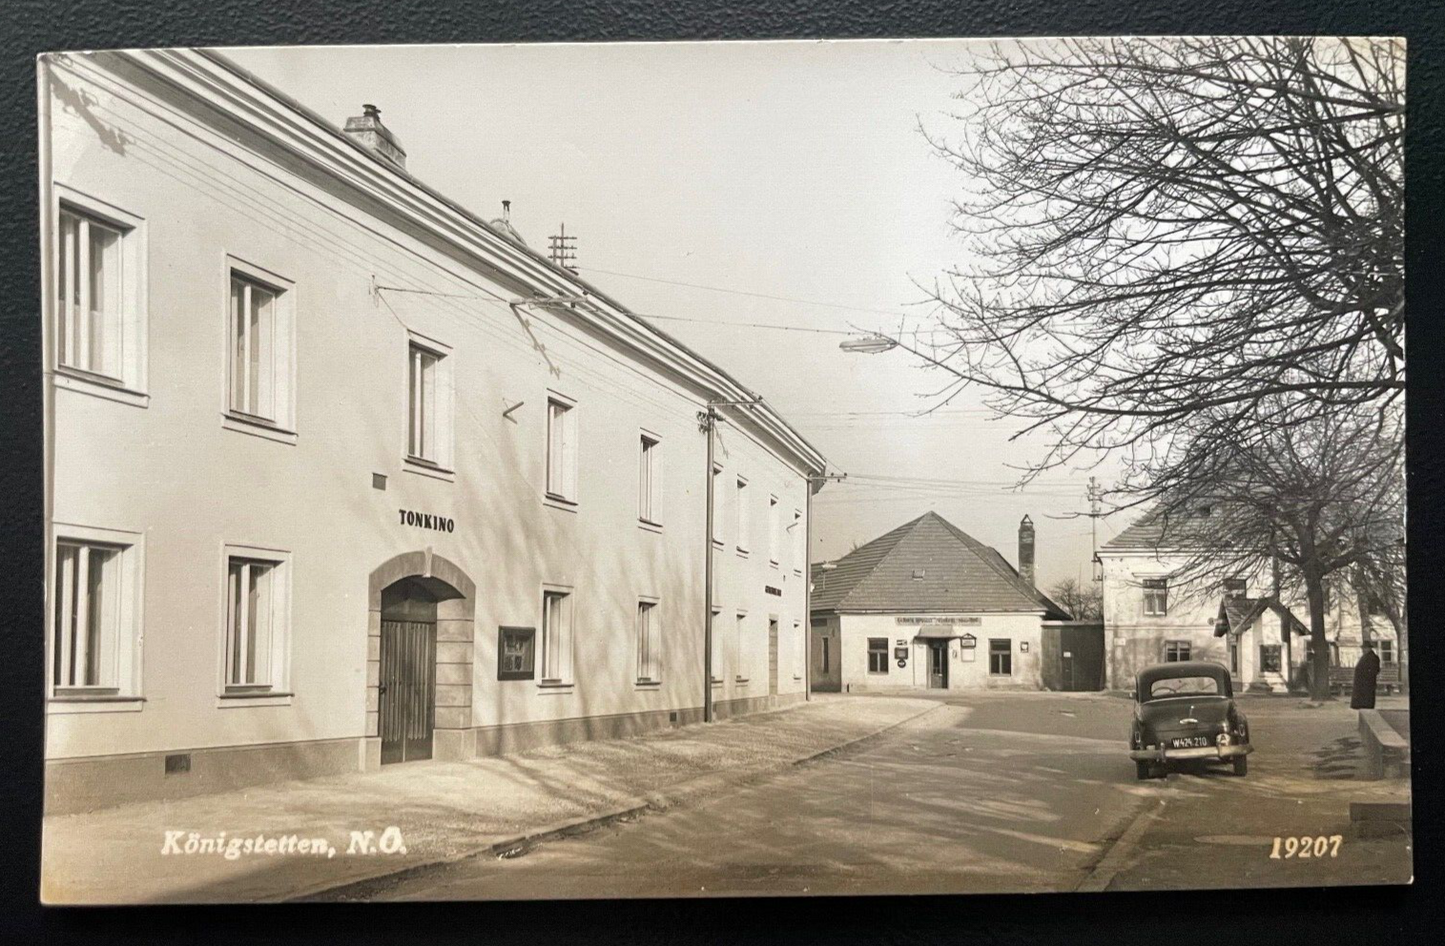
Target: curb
x,y
1112,863
658,801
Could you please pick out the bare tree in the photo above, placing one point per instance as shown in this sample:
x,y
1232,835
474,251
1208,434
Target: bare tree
x,y
1160,227
1083,600
1299,505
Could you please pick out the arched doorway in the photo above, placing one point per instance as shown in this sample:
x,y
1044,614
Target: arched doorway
x,y
419,699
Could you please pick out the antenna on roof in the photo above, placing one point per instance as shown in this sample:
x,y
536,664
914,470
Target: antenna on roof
x,y
561,249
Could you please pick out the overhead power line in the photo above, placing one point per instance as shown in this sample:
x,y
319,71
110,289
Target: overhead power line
x,y
744,292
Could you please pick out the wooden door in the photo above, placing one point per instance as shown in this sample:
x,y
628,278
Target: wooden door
x,y
407,689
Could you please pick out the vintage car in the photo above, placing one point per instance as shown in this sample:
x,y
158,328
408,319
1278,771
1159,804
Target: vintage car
x,y
1185,711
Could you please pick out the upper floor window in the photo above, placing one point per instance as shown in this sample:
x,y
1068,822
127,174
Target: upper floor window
x,y
94,634
774,538
649,469
99,297
742,509
561,449
717,505
259,361
800,542
1156,596
429,402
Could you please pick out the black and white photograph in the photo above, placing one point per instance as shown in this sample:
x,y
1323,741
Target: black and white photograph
x,y
576,471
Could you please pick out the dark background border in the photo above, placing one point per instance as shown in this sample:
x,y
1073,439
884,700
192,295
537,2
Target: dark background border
x,y
28,27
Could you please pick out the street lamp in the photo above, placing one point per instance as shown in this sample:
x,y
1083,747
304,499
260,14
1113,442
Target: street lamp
x,y
868,344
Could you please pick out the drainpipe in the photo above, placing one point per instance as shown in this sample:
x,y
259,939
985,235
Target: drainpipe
x,y
709,422
808,592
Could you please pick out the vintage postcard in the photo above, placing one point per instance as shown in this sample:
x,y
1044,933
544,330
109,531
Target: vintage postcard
x,y
746,468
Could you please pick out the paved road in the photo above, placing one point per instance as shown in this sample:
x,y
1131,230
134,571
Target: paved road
x,y
988,793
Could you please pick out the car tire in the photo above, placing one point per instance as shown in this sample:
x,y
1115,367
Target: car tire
x,y
1241,765
1144,770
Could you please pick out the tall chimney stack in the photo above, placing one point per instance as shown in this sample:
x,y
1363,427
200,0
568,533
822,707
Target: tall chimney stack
x,y
367,130
1026,550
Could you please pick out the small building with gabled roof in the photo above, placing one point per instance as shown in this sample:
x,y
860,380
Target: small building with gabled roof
x,y
928,606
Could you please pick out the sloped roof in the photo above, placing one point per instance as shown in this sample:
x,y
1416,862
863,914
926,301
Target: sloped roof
x,y
958,573
1159,528
1237,613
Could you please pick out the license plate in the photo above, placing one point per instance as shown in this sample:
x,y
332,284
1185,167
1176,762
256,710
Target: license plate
x,y
1189,742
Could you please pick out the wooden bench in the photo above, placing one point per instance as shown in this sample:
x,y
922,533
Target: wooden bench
x,y
1342,679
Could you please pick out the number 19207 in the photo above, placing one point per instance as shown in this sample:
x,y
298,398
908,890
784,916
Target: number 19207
x,y
1305,846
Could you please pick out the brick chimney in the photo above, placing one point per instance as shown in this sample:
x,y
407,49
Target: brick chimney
x,y
367,130
1026,550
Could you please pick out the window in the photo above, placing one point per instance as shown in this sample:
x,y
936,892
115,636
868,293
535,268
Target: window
x,y
260,350
89,271
1235,587
1000,657
561,449
877,655
556,637
738,645
1156,596
742,504
800,542
649,466
649,669
88,618
256,615
717,505
824,655
516,653
717,663
774,538
429,407
1386,650
1269,658
802,649
1234,655
1176,651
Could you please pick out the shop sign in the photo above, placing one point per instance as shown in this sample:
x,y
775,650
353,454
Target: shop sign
x,y
935,619
775,592
426,520
968,640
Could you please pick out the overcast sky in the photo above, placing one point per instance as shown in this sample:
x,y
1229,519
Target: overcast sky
x,y
791,169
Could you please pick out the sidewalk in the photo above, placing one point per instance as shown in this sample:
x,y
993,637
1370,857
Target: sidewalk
x,y
441,811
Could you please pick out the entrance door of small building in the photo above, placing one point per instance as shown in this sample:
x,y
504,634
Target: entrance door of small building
x,y
938,665
407,689
772,656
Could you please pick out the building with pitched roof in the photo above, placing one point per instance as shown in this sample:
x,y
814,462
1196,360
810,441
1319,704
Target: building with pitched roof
x,y
929,606
1153,614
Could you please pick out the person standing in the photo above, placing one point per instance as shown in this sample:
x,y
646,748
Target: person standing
x,y
1366,670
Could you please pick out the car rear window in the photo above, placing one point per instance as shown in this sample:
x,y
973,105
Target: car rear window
x,y
1183,686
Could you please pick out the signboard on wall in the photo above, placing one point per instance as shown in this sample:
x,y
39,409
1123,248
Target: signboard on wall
x,y
968,642
929,620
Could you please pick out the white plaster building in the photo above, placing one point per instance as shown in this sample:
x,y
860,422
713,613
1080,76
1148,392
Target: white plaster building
x,y
332,484
927,606
1153,616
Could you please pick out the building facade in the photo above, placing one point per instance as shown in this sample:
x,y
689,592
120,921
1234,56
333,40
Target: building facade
x,y
1153,615
927,606
340,475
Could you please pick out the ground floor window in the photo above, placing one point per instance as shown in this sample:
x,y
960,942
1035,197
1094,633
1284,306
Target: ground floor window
x,y
256,622
824,655
1270,658
1386,650
1233,655
516,653
1000,657
88,620
648,664
556,636
877,655
1176,651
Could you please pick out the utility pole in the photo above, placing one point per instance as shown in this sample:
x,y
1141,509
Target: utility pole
x,y
1095,563
562,249
815,483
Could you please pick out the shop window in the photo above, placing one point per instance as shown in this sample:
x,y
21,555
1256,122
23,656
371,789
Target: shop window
x,y
1177,651
649,469
649,666
1000,657
1156,596
257,607
556,637
516,653
1270,658
877,655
